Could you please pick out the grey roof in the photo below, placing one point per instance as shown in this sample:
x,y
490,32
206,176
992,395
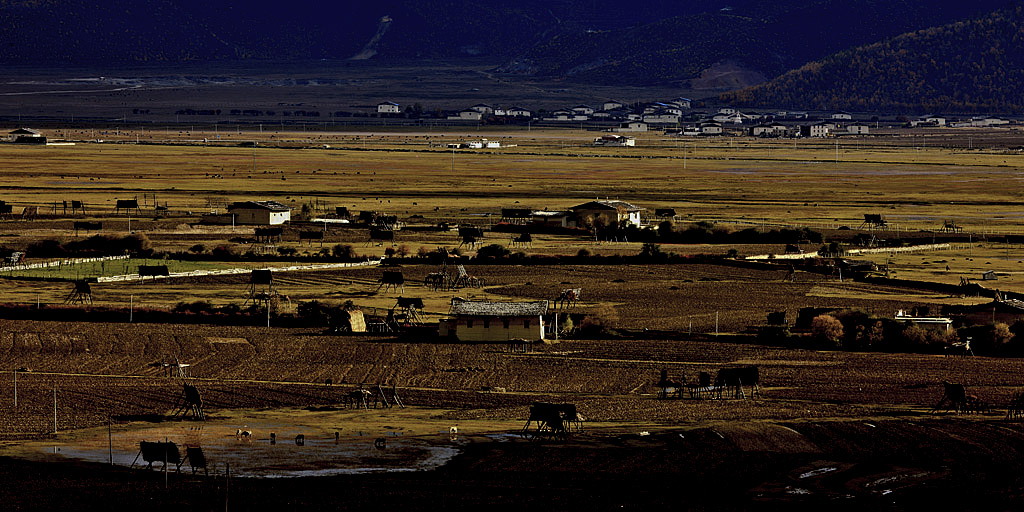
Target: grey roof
x,y
273,206
461,307
25,131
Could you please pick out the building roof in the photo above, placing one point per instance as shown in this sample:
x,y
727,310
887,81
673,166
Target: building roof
x,y
387,103
612,204
24,131
463,307
273,206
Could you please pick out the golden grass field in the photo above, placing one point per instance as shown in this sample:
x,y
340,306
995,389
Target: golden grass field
x,y
915,179
872,412
727,179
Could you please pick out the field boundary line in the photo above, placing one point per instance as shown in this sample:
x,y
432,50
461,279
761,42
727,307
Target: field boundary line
x,y
240,270
60,263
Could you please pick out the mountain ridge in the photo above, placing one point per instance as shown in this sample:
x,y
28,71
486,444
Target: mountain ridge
x,y
966,66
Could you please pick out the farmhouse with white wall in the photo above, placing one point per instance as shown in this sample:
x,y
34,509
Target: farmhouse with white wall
x,y
494,321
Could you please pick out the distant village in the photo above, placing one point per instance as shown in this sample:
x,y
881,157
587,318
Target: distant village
x,y
677,117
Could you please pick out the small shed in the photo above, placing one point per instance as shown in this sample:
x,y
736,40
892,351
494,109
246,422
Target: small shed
x,y
26,136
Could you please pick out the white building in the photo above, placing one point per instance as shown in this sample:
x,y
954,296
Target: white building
x,y
710,129
481,144
932,323
612,105
769,130
857,129
467,115
388,107
482,108
260,212
631,126
518,112
842,115
615,140
817,130
681,102
661,117
582,110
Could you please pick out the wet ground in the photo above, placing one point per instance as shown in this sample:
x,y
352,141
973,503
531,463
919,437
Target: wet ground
x,y
280,442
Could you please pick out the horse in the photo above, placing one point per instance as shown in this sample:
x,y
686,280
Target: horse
x,y
568,298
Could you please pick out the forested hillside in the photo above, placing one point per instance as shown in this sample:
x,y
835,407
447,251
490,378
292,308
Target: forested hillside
x,y
969,66
766,37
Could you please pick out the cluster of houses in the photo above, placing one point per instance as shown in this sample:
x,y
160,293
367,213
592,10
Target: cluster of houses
x,y
605,211
676,116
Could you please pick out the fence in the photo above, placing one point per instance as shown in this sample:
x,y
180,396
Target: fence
x,y
233,271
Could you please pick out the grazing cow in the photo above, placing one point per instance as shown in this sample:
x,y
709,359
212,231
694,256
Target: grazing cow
x,y
300,440
703,385
391,279
1015,411
359,398
153,271
469,240
554,420
737,377
243,434
523,240
435,280
669,386
165,452
380,236
956,396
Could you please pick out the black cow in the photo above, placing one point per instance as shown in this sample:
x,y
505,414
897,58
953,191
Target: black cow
x,y
738,377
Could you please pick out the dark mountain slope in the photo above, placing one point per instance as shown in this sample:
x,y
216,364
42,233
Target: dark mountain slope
x,y
970,66
113,31
768,37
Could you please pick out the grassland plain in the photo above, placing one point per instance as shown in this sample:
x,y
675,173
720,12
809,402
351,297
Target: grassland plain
x,y
848,405
820,183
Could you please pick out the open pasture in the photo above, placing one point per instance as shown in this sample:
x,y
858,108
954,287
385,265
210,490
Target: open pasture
x,y
685,297
818,183
105,369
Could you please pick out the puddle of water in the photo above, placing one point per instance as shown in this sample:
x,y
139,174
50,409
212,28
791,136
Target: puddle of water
x,y
319,455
